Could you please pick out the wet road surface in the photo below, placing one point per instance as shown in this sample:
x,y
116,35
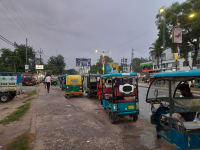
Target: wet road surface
x,y
81,123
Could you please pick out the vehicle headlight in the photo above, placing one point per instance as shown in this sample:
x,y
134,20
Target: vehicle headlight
x,y
115,107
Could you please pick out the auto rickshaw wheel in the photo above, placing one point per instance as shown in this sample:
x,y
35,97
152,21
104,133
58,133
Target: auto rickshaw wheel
x,y
112,117
134,118
67,96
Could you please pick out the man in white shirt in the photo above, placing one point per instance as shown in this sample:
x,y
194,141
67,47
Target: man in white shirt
x,y
48,82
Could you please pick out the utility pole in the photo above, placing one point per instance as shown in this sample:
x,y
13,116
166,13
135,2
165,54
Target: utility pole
x,y
40,53
26,51
131,64
26,66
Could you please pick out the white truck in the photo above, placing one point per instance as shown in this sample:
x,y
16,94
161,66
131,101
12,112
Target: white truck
x,y
10,86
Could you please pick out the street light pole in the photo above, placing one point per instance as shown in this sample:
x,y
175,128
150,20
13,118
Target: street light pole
x,y
162,11
103,62
102,59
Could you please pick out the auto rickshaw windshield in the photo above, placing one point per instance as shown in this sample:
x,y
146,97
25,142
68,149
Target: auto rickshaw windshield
x,y
185,99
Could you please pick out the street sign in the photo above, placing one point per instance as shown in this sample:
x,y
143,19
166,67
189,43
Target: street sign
x,y
39,67
176,56
177,35
26,67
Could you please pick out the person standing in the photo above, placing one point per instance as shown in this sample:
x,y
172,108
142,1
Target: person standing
x,y
48,82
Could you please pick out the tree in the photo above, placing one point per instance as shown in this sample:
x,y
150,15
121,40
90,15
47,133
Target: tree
x,y
107,59
56,65
136,64
7,61
71,72
179,12
14,61
20,53
97,68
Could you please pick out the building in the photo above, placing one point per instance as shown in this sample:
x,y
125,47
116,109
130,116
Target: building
x,y
167,62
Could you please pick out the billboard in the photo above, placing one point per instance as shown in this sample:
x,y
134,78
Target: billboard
x,y
39,67
177,35
83,62
112,68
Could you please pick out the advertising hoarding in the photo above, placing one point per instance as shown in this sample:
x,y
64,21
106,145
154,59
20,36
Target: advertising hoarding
x,y
83,62
177,35
39,67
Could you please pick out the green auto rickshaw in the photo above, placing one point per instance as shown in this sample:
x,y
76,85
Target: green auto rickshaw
x,y
74,85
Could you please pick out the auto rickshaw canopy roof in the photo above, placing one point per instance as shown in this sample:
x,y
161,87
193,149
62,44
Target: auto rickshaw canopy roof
x,y
62,75
190,73
74,80
119,75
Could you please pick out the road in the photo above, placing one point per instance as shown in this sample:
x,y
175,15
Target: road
x,y
82,123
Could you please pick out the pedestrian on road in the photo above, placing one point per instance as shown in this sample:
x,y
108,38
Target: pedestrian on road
x,y
48,82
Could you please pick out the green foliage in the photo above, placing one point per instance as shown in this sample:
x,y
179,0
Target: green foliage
x,y
30,94
136,64
14,61
56,65
97,68
71,72
16,115
107,59
190,28
22,142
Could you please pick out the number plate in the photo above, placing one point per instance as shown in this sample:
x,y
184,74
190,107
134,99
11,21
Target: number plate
x,y
131,107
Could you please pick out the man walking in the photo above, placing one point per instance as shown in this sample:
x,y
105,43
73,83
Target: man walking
x,y
48,82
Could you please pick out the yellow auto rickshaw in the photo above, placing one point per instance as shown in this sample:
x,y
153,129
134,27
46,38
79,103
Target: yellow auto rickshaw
x,y
74,85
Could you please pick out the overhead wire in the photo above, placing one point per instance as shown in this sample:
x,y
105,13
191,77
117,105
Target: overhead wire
x,y
6,40
6,11
19,11
17,20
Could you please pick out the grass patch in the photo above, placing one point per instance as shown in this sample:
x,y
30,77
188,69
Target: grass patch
x,y
16,115
21,142
31,93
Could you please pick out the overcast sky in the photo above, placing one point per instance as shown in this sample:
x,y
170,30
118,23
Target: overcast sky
x,y
76,28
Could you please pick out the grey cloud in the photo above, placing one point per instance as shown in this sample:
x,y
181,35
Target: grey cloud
x,y
75,28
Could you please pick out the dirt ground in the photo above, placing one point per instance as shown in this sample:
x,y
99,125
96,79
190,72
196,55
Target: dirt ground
x,y
12,130
80,123
7,108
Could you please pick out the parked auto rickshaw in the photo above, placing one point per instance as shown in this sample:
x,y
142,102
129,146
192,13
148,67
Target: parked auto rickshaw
x,y
119,95
177,105
62,80
91,84
54,81
74,85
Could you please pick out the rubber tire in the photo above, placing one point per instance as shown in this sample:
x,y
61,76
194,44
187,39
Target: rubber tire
x,y
112,117
67,96
134,118
4,98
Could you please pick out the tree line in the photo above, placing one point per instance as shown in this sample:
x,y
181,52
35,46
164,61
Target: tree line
x,y
177,15
15,61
